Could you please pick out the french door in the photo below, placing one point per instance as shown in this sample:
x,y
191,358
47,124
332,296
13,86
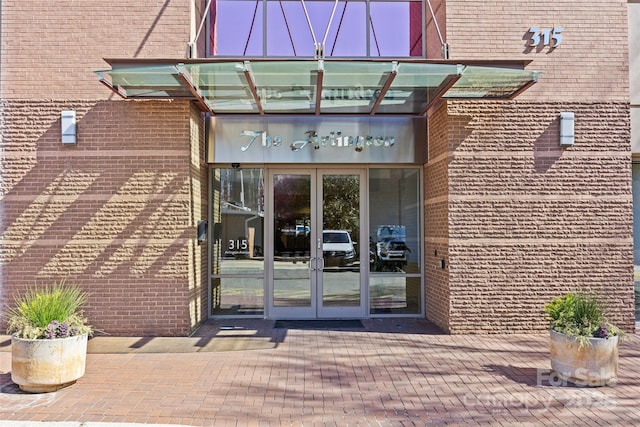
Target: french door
x,y
317,244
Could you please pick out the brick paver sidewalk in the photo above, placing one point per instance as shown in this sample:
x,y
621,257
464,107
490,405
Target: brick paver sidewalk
x,y
393,372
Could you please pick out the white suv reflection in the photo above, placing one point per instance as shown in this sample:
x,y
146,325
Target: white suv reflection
x,y
337,248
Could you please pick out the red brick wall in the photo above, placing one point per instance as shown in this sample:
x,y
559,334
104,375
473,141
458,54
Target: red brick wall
x,y
50,49
591,63
199,179
527,220
116,213
436,188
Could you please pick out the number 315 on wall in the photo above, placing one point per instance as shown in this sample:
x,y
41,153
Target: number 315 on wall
x,y
551,37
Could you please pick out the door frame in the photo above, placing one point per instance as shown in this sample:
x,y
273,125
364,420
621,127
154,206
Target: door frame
x,y
316,309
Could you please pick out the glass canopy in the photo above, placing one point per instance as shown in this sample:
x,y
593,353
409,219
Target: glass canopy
x,y
315,86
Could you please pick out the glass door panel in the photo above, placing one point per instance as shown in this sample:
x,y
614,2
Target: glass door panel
x,y
292,280
341,285
315,234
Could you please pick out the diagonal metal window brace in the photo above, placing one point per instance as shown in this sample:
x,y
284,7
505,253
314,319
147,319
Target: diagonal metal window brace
x,y
444,45
319,47
203,20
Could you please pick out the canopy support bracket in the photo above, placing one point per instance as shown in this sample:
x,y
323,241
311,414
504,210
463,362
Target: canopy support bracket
x,y
319,47
319,80
443,89
192,43
188,81
111,87
387,84
248,75
444,45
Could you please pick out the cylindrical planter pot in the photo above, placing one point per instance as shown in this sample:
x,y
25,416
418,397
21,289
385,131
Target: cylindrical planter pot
x,y
593,365
44,365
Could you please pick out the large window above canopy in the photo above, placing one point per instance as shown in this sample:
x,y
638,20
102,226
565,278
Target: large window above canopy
x,y
316,28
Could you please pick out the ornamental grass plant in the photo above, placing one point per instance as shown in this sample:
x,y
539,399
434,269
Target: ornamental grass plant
x,y
48,313
581,316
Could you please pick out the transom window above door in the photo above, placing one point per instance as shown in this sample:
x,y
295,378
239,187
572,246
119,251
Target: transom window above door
x,y
317,28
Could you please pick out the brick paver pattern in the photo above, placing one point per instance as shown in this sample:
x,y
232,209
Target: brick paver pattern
x,y
392,373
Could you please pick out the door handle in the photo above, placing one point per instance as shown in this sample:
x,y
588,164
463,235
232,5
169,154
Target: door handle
x,y
313,264
319,243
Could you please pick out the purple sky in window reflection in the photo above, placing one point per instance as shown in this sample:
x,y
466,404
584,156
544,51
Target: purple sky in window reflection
x,y
288,34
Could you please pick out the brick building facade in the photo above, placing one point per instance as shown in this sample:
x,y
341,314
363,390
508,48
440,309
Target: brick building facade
x,y
515,218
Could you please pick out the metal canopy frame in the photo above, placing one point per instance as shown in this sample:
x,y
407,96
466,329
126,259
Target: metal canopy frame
x,y
316,86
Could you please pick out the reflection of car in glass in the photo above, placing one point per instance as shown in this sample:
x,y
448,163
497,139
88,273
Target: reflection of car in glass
x,y
391,249
337,248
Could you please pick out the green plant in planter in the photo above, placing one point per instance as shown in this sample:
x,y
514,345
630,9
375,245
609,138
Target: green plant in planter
x,y
581,316
48,313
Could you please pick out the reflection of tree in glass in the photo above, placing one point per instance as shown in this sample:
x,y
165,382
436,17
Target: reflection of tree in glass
x,y
341,208
292,197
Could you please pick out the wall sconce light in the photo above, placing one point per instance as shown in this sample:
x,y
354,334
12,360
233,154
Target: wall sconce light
x,y
566,129
202,230
68,127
